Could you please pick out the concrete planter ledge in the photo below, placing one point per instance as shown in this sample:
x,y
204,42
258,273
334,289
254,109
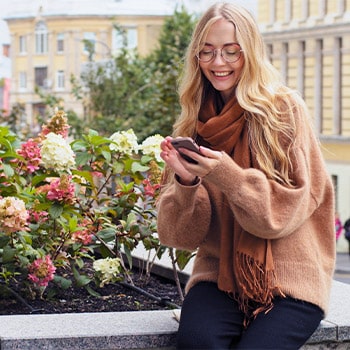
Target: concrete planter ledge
x,y
143,329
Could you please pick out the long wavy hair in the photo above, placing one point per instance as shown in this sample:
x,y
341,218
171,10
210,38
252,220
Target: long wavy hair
x,y
268,103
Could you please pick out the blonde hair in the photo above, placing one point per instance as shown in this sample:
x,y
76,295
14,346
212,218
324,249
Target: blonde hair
x,y
269,104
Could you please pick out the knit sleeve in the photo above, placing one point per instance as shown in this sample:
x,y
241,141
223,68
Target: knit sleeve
x,y
184,216
271,210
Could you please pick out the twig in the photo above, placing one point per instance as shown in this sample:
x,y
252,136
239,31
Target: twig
x,y
176,275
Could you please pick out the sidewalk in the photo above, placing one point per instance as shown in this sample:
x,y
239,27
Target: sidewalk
x,y
343,263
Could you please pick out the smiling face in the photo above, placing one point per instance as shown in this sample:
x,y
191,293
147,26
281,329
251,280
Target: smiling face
x,y
223,75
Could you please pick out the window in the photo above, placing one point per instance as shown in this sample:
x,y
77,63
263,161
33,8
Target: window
x,y
127,37
60,42
41,77
22,80
41,37
22,44
60,80
89,42
336,192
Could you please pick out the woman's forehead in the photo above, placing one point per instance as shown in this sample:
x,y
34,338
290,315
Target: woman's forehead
x,y
221,31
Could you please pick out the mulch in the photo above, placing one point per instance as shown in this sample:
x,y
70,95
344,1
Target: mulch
x,y
152,293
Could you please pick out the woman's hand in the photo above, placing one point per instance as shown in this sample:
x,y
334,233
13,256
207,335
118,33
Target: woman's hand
x,y
187,171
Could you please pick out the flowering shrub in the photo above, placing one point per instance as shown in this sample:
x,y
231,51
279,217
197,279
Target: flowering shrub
x,y
62,203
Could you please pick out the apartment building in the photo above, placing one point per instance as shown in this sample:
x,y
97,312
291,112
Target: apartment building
x,y
52,42
309,42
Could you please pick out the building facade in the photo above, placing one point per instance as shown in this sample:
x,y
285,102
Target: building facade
x,y
5,79
309,42
51,43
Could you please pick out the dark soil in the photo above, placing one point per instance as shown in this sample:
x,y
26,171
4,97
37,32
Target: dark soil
x,y
152,293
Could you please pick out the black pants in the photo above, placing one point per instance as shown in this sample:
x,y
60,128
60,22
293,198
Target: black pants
x,y
210,319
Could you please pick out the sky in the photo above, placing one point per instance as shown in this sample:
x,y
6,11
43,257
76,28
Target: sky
x,y
156,6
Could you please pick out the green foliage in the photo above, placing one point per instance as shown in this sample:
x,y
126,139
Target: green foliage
x,y
174,39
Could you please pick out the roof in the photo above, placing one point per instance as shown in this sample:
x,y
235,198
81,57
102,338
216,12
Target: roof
x,y
25,8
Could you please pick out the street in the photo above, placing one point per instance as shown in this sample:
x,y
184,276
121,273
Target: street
x,y
342,271
342,277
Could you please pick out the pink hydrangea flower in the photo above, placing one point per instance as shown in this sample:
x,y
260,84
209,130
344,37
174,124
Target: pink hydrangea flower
x,y
41,271
61,190
84,236
13,215
30,151
38,217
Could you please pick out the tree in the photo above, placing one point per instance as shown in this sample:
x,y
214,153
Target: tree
x,y
132,91
166,63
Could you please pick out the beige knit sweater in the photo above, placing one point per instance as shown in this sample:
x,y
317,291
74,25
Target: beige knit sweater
x,y
299,221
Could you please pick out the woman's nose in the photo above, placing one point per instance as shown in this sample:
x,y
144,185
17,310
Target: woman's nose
x,y
218,56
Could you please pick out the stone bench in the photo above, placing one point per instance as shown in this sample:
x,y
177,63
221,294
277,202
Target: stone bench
x,y
143,329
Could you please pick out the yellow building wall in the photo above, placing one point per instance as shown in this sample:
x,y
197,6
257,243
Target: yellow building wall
x,y
336,152
72,58
314,63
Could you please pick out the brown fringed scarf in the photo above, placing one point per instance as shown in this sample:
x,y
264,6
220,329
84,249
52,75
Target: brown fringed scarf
x,y
246,268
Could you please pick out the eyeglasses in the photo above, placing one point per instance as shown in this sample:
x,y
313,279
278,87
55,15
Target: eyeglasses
x,y
230,53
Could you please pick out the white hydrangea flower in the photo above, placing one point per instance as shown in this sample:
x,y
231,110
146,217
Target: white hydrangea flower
x,y
151,146
108,269
56,153
124,142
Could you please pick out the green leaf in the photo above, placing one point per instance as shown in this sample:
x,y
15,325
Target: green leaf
x,y
107,156
78,145
80,263
81,280
8,254
85,174
8,170
4,241
93,132
72,224
182,258
82,158
118,167
128,256
92,292
107,234
62,282
56,210
137,167
145,159
97,140
38,179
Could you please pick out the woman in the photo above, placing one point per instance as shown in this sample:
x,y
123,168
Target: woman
x,y
257,203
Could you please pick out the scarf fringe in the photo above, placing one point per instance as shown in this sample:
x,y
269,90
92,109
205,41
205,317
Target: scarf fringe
x,y
257,287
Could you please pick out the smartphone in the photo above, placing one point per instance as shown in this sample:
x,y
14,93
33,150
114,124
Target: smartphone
x,y
188,143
